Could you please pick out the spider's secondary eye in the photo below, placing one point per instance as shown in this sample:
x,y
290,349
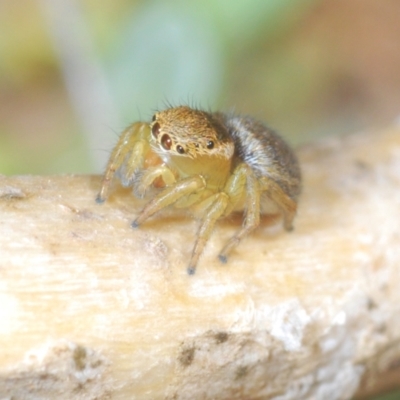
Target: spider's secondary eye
x,y
180,149
154,117
166,142
155,129
210,144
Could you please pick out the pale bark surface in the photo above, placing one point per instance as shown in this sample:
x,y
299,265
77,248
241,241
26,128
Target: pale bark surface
x,y
92,309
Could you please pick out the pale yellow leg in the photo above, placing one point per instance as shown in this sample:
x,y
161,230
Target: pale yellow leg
x,y
252,218
216,206
287,205
236,185
252,209
130,150
214,211
134,162
169,196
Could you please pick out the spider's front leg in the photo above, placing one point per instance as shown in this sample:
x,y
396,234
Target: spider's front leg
x,y
128,156
170,195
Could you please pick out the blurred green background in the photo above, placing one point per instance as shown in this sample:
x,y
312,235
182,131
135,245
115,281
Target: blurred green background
x,y
74,73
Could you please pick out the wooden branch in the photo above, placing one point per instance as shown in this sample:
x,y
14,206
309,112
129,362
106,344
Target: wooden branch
x,y
92,309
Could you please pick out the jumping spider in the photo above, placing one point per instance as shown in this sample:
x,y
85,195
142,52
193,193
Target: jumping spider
x,y
215,163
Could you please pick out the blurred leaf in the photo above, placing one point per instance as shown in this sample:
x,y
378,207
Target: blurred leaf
x,y
244,20
166,53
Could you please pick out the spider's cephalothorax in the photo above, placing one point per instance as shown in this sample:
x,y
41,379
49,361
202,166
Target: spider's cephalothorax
x,y
214,162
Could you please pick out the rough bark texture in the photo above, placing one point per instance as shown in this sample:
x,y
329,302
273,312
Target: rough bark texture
x,y
92,309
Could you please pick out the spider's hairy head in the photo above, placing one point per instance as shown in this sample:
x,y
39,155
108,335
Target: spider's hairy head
x,y
183,131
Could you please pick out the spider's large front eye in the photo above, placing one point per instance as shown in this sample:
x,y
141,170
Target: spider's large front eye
x,y
155,130
166,142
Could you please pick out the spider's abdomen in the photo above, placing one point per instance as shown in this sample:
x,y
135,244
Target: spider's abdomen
x,y
265,152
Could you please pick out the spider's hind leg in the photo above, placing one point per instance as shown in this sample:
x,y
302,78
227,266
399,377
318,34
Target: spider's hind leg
x,y
284,202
